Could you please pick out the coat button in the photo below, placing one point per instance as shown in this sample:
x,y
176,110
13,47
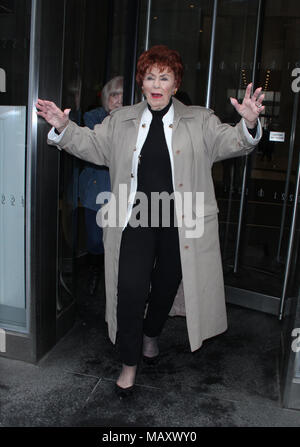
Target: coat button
x,y
180,185
144,125
186,247
178,152
134,149
171,125
132,176
95,181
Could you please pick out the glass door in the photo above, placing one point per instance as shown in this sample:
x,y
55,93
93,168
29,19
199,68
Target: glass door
x,y
256,193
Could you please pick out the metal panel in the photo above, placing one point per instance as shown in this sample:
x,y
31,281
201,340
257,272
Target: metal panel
x,y
46,178
31,165
253,300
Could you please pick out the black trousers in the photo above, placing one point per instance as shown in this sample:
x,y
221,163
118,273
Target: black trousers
x,y
149,257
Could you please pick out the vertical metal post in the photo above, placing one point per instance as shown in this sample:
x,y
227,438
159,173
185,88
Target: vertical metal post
x,y
211,56
109,39
290,246
243,192
241,213
149,4
232,169
289,168
31,161
133,13
257,37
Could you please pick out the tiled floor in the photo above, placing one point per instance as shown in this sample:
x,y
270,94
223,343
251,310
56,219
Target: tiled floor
x,y
231,381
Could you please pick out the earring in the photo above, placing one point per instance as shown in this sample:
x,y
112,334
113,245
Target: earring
x,y
175,91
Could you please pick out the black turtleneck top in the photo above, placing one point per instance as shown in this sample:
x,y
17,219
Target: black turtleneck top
x,y
154,168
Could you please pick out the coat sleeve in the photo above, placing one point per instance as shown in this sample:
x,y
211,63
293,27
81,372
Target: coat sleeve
x,y
89,145
225,141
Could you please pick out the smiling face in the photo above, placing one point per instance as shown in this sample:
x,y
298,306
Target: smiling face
x,y
158,87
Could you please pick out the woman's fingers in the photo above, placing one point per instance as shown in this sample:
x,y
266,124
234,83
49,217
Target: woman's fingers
x,y
248,91
66,112
44,105
260,99
48,107
251,106
256,98
256,94
51,113
39,104
41,109
234,102
236,105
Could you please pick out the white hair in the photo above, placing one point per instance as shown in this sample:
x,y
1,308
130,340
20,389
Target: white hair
x,y
115,85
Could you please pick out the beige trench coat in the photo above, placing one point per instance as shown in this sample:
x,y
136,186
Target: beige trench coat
x,y
198,140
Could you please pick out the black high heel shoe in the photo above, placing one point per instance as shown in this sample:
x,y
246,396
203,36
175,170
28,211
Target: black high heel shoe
x,y
124,392
146,341
151,360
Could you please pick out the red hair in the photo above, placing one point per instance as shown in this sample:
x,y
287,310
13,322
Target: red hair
x,y
162,57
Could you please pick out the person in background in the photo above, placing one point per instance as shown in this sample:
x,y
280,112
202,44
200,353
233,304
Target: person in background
x,y
95,179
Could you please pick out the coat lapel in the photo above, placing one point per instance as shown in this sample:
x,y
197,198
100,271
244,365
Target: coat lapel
x,y
180,111
134,113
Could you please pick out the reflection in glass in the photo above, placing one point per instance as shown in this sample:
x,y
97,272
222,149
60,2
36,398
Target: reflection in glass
x,y
12,177
84,68
260,268
15,17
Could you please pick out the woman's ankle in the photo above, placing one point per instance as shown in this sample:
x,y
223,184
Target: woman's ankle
x,y
150,346
127,376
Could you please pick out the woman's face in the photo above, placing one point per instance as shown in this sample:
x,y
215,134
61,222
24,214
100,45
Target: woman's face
x,y
115,100
159,86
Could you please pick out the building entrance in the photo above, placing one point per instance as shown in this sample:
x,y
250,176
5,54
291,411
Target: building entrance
x,y
225,44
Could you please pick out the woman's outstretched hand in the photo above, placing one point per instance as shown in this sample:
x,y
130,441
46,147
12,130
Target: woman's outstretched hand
x,y
52,114
251,106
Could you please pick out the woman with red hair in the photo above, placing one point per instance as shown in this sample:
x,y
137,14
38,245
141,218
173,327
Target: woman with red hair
x,y
160,146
